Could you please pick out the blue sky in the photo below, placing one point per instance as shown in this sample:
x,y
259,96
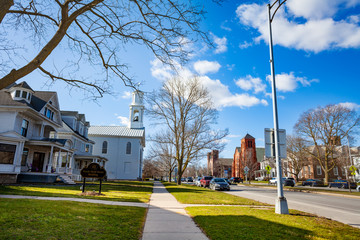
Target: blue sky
x,y
316,61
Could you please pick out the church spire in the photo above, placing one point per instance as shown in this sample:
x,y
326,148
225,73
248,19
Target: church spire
x,y
136,110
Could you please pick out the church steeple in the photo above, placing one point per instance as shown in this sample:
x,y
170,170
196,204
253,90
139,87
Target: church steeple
x,y
136,110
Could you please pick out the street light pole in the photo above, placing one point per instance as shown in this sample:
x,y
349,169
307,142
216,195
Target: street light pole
x,y
281,206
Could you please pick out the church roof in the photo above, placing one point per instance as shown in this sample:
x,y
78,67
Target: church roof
x,y
248,136
116,131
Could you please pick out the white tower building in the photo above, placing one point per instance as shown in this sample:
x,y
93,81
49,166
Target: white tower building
x,y
136,110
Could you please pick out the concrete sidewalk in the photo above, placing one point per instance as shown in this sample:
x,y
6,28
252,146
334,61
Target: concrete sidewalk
x,y
167,219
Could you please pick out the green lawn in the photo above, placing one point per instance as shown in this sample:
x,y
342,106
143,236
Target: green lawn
x,y
226,223
40,219
125,191
188,194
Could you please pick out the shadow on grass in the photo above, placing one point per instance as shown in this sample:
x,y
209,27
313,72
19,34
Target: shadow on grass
x,y
115,191
173,188
247,227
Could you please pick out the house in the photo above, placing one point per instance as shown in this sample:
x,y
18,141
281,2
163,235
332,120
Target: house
x,y
38,142
27,118
245,156
123,146
219,167
75,129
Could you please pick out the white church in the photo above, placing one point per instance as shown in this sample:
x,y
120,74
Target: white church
x,y
123,146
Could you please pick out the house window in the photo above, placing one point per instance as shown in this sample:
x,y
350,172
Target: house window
x,y
28,96
24,127
249,144
104,147
336,171
343,171
7,153
24,94
24,156
318,170
128,148
87,147
17,93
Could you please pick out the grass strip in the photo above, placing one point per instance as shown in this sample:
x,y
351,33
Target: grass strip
x,y
40,219
189,194
124,191
223,223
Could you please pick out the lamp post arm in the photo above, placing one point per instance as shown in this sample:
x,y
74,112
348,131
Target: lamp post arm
x,y
280,4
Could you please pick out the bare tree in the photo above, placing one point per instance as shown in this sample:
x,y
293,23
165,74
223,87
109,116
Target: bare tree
x,y
324,128
150,169
185,107
297,155
96,31
163,154
249,162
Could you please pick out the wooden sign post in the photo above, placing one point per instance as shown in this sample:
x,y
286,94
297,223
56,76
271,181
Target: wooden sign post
x,y
93,171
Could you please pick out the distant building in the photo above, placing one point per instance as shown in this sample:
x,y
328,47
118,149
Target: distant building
x,y
218,167
123,146
245,156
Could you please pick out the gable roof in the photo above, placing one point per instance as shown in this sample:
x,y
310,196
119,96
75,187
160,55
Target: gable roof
x,y
116,131
38,100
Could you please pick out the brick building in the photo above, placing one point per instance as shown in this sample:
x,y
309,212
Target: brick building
x,y
218,167
245,156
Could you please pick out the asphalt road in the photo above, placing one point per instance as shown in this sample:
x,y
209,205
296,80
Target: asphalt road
x,y
342,209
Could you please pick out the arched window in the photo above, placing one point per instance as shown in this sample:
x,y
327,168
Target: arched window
x,y
128,148
136,116
104,147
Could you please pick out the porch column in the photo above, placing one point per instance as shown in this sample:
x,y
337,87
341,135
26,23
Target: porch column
x,y
58,165
18,157
50,161
67,162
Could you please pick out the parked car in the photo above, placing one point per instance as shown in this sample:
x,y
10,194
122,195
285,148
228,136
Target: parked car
x,y
342,184
273,180
312,182
197,181
358,188
259,178
219,184
205,181
183,179
289,182
292,179
189,179
236,180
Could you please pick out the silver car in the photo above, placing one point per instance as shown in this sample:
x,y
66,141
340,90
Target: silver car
x,y
219,184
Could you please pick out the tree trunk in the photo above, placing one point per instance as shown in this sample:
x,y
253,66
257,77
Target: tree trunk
x,y
5,5
178,180
326,181
170,173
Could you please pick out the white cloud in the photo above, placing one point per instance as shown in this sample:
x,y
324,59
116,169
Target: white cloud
x,y
204,67
126,95
307,25
221,44
251,83
289,82
350,105
123,120
220,93
245,45
224,98
222,26
230,67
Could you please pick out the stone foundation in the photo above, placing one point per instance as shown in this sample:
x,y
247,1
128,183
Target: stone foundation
x,y
7,178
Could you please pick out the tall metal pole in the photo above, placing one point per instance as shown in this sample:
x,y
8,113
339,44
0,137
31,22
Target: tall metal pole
x,y
281,206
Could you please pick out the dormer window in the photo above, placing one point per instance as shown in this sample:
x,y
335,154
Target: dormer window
x,y
24,94
17,93
49,114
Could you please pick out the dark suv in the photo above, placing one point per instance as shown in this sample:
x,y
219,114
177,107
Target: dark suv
x,y
236,180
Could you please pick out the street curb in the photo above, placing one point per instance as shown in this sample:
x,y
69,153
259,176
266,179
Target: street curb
x,y
306,191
